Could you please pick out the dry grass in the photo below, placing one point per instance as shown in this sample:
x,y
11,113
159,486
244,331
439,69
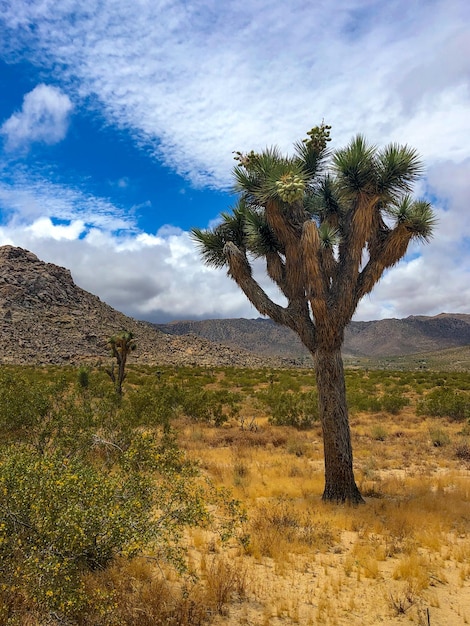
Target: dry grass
x,y
404,555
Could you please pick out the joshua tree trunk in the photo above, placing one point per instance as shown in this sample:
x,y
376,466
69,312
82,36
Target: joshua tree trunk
x,y
340,485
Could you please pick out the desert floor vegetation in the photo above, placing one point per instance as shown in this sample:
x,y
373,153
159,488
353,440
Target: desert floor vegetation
x,y
195,498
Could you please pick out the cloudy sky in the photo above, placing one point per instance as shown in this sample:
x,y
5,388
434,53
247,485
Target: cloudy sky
x,y
118,120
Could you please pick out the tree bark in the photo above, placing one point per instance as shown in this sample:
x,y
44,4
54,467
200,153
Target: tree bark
x,y
340,485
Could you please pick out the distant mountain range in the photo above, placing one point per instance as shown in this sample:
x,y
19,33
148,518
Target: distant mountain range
x,y
382,338
46,318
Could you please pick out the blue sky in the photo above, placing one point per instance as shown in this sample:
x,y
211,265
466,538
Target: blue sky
x,y
118,121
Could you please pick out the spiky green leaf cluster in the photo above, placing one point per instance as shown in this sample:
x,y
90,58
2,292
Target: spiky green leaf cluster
x,y
325,203
260,239
268,175
416,215
211,243
329,236
388,173
354,167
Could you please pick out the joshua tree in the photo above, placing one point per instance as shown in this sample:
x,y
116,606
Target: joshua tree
x,y
327,224
121,345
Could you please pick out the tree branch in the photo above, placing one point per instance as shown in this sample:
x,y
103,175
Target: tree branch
x,y
386,254
240,271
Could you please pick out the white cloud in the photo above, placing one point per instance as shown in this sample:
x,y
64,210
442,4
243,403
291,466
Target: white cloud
x,y
44,117
44,228
198,80
425,286
157,279
26,197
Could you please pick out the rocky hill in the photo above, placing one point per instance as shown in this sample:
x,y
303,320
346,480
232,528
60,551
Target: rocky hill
x,y
390,337
46,318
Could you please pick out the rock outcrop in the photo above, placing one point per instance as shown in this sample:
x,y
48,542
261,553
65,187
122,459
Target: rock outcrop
x,y
46,318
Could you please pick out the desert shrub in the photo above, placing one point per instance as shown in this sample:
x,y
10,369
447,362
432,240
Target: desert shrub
x,y
280,526
393,403
297,445
368,399
401,603
299,410
223,580
403,379
43,412
445,402
249,439
379,433
462,452
155,402
152,403
215,407
246,379
83,377
439,437
61,519
142,596
359,400
23,402
288,381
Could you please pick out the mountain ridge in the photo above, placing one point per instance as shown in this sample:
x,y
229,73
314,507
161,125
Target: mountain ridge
x,y
377,338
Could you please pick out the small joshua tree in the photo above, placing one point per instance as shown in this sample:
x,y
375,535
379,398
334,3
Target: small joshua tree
x,y
121,345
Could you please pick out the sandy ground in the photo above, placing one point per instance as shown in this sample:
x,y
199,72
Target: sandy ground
x,y
329,590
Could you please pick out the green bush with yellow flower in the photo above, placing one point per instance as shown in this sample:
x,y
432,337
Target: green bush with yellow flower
x,y
82,487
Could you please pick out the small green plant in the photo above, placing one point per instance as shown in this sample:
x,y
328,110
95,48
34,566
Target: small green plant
x,y
214,407
152,403
23,402
379,433
363,400
83,377
393,403
439,437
